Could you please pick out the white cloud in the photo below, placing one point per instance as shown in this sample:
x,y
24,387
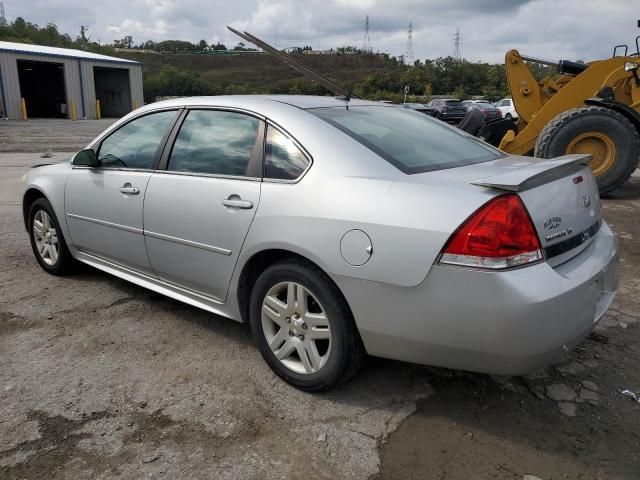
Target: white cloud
x,y
585,29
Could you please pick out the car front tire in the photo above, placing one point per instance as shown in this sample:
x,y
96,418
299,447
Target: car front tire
x,y
303,326
47,242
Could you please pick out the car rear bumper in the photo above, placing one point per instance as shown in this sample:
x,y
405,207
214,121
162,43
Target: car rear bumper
x,y
510,323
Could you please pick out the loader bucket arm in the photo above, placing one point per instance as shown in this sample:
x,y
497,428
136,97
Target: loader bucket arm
x,y
525,90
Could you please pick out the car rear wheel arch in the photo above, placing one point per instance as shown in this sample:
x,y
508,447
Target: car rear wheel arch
x,y
257,264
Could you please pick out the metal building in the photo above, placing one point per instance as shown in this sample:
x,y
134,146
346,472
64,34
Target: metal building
x,y
49,82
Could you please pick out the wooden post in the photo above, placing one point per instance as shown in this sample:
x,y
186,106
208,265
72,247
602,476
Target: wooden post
x,y
23,109
98,112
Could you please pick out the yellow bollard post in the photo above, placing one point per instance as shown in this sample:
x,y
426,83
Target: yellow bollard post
x,y
73,110
98,112
23,109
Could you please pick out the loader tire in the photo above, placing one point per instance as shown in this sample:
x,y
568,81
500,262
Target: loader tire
x,y
606,134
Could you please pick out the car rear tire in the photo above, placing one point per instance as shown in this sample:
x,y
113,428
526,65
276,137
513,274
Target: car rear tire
x,y
604,133
303,326
508,116
47,242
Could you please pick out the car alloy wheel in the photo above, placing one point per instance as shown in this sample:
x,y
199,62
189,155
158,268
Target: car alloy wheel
x,y
46,237
296,328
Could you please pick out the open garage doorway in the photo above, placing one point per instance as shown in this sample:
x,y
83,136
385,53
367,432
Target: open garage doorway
x,y
113,91
43,88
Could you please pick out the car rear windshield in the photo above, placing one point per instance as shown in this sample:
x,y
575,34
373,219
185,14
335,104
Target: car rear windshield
x,y
410,141
453,102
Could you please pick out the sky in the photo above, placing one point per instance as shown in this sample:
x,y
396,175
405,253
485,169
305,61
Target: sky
x,y
551,29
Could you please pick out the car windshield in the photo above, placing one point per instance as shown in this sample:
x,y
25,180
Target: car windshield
x,y
485,106
411,141
454,102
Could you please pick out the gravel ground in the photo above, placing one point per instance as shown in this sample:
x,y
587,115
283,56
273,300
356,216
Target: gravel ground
x,y
103,379
38,136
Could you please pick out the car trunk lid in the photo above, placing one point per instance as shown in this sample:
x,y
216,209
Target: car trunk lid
x,y
562,198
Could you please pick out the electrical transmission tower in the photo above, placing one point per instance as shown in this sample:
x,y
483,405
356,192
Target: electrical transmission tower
x,y
408,54
457,45
3,20
366,42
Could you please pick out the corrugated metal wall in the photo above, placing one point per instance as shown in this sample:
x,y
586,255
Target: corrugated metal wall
x,y
79,82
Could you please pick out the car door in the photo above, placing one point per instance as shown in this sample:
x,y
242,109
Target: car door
x,y
103,205
199,209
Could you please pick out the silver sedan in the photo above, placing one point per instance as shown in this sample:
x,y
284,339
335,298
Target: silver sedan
x,y
336,229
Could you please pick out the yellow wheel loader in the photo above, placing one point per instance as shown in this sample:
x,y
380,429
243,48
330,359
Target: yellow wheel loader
x,y
591,108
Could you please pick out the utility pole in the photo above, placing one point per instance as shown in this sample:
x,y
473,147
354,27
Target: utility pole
x,y
366,43
408,54
3,19
457,45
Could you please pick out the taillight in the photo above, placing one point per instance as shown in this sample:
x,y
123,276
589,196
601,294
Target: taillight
x,y
498,235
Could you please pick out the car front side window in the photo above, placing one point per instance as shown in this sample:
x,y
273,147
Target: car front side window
x,y
214,142
135,144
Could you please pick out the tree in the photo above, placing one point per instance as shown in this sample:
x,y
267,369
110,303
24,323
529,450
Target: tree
x,y
173,82
202,45
83,33
125,42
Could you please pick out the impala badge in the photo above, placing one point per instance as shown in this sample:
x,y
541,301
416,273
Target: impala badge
x,y
553,222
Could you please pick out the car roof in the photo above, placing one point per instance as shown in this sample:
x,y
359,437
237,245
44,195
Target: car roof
x,y
257,101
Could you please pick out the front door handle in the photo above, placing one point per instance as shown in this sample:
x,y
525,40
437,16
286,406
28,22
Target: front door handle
x,y
234,201
128,189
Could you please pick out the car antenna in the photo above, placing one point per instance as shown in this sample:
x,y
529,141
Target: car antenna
x,y
338,90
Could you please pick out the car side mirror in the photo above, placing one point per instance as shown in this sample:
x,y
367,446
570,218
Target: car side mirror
x,y
86,158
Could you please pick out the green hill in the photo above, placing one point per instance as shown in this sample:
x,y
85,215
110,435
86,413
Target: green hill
x,y
261,73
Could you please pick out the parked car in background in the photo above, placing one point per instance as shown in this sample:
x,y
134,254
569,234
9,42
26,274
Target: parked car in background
x,y
336,229
450,110
506,107
419,107
489,111
469,102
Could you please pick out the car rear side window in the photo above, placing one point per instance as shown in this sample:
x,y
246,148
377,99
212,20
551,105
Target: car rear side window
x,y
214,142
283,159
412,142
134,145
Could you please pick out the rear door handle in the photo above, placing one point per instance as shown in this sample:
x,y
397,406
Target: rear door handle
x,y
236,202
127,188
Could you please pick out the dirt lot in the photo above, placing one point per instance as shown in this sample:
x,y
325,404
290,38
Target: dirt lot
x,y
103,379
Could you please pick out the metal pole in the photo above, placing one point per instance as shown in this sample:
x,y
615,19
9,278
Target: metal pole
x,y
23,108
540,61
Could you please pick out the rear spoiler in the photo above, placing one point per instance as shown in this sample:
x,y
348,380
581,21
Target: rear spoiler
x,y
542,171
